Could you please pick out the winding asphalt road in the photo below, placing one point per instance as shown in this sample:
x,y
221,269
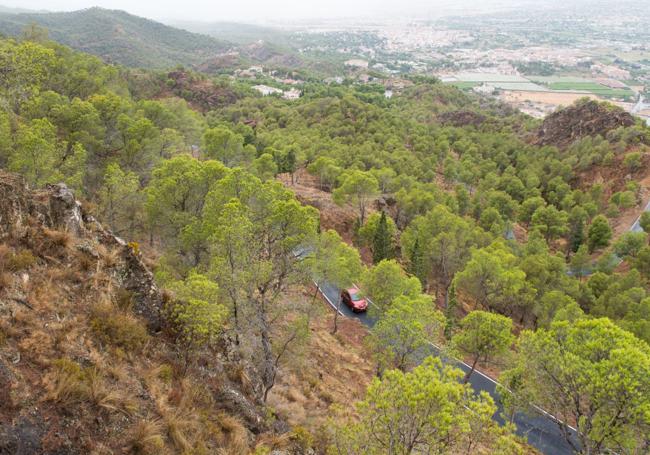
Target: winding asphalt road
x,y
541,431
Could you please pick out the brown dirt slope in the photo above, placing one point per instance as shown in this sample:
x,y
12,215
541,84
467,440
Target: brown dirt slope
x,y
201,93
332,216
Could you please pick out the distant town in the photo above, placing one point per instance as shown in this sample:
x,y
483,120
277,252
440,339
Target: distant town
x,y
534,68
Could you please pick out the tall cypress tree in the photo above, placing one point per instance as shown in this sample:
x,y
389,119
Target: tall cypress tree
x,y
418,267
576,235
381,243
450,312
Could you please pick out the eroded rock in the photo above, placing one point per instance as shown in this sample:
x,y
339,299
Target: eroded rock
x,y
21,438
585,118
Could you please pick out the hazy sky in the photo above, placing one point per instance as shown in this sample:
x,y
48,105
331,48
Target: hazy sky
x,y
267,10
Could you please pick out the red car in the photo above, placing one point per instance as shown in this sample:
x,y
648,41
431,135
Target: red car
x,y
352,298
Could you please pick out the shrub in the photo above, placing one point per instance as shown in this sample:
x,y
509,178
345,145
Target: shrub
x,y
612,211
22,260
124,299
623,199
67,385
302,438
99,393
630,244
632,161
166,373
118,328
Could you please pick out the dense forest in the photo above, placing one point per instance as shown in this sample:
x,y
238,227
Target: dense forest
x,y
471,230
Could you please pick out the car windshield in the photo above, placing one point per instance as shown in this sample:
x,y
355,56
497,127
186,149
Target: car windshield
x,y
355,296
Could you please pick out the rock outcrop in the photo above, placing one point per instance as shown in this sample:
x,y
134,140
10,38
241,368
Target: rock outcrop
x,y
56,207
585,118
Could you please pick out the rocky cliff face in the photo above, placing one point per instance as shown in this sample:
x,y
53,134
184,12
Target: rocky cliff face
x,y
55,207
87,364
585,118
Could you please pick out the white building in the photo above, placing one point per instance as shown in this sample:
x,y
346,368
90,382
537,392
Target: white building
x,y
484,89
266,90
292,94
357,63
334,80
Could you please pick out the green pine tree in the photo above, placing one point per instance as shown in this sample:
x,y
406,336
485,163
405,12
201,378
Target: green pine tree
x,y
381,243
600,233
576,235
450,312
417,266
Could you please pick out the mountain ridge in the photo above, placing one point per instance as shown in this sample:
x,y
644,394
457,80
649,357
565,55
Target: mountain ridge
x,y
119,37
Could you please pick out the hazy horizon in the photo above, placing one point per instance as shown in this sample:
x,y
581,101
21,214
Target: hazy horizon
x,y
279,11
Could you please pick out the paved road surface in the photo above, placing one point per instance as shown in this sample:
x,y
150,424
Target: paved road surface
x,y
636,227
542,432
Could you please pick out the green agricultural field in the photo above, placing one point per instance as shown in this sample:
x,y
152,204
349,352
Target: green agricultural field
x,y
591,87
585,86
465,85
554,79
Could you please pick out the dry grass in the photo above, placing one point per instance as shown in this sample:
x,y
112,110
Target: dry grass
x,y
554,98
12,262
337,371
56,240
102,395
234,437
81,361
102,449
71,385
85,263
273,442
84,363
109,256
5,252
6,280
146,437
65,384
37,344
178,413
123,300
117,327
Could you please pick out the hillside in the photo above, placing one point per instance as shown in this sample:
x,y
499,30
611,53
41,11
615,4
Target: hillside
x,y
84,366
88,364
119,37
205,334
